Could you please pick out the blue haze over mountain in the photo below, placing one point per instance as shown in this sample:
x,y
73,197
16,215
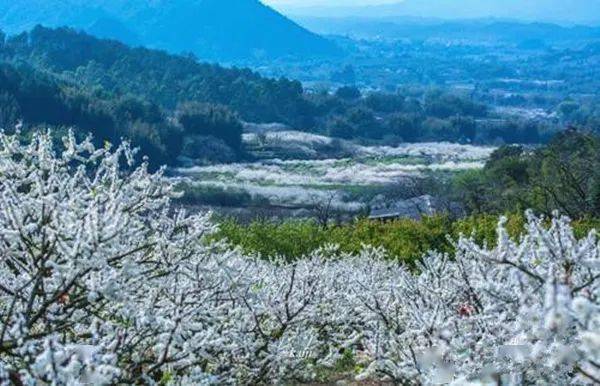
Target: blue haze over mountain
x,y
220,30
560,11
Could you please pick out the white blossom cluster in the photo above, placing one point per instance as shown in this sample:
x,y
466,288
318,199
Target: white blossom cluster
x,y
299,183
322,172
356,171
521,313
309,143
103,281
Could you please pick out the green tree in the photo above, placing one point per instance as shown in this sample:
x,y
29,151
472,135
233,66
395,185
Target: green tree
x,y
566,175
9,110
567,108
386,103
211,120
348,93
405,126
465,127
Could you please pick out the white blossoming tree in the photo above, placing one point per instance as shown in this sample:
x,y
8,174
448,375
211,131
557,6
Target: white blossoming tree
x,y
520,313
103,281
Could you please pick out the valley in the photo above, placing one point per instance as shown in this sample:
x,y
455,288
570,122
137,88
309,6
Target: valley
x,y
216,192
296,174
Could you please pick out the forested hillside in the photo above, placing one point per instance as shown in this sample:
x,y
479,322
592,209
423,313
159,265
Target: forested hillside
x,y
219,30
65,78
153,75
62,77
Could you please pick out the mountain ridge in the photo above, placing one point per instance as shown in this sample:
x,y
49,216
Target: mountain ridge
x,y
216,30
555,11
509,31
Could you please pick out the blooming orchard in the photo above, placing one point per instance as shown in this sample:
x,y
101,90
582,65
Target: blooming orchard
x,y
102,281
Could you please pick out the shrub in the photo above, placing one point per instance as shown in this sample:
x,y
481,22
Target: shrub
x,y
348,93
204,149
562,175
291,239
404,239
201,119
216,196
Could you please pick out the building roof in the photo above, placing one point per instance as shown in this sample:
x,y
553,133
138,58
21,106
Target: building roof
x,y
411,208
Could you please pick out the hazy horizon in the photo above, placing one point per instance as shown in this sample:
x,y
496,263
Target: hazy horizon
x,y
327,3
574,11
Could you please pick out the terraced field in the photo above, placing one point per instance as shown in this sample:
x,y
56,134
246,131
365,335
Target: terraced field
x,y
345,174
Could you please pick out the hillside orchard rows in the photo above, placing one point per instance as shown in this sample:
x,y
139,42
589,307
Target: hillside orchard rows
x,y
102,281
302,182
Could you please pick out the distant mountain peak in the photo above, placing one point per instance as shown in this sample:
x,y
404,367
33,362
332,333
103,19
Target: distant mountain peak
x,y
219,30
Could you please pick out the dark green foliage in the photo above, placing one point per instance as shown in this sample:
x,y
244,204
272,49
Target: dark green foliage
x,y
405,126
358,122
341,128
200,119
563,175
365,124
66,78
469,188
385,103
438,129
585,115
517,132
215,196
41,99
9,110
441,117
166,80
348,93
198,149
440,105
405,240
464,127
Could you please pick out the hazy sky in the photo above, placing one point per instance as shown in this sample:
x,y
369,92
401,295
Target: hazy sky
x,y
561,11
307,3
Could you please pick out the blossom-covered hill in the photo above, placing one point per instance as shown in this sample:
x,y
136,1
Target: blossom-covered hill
x,y
102,282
